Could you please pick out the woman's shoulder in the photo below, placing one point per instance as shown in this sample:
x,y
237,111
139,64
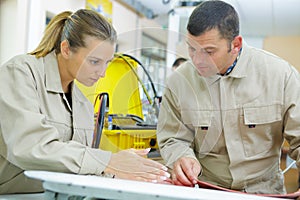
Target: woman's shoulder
x,y
21,60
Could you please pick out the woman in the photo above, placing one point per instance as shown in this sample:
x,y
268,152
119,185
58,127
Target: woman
x,y
46,123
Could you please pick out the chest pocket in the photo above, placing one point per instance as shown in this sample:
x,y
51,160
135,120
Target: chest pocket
x,y
83,135
261,129
202,124
64,130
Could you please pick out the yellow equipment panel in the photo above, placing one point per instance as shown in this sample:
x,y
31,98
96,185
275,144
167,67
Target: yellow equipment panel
x,y
116,140
121,85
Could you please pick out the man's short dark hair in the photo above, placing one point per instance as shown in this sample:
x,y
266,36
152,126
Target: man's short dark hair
x,y
209,15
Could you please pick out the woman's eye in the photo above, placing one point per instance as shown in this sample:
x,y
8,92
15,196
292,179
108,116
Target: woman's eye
x,y
94,62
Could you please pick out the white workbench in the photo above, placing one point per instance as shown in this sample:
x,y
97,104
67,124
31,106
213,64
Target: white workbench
x,y
38,196
63,186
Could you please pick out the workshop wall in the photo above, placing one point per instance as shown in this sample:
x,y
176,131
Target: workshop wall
x,y
286,47
22,23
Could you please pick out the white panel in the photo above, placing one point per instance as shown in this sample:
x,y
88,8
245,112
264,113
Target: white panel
x,y
37,20
256,17
57,6
10,43
35,24
287,17
23,23
126,22
173,37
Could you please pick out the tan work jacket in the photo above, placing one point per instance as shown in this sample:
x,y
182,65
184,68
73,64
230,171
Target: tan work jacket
x,y
39,130
234,125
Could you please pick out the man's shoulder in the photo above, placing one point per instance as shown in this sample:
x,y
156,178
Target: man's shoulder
x,y
261,55
266,61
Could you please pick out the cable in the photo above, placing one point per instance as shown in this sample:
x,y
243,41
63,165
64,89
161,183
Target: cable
x,y
146,72
139,80
288,167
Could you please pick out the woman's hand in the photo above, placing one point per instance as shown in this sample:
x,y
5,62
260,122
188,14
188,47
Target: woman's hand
x,y
131,164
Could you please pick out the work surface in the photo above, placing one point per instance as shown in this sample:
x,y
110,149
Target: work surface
x,y
98,187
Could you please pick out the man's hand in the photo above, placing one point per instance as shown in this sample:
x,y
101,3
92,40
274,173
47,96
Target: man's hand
x,y
186,171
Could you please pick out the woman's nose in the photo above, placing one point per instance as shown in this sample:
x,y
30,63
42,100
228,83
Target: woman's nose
x,y
101,72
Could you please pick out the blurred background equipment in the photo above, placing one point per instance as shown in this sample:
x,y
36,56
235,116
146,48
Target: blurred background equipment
x,y
122,119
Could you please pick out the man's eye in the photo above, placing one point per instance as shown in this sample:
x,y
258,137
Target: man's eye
x,y
192,49
209,52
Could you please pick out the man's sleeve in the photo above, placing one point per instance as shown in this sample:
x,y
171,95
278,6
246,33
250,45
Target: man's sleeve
x,y
174,137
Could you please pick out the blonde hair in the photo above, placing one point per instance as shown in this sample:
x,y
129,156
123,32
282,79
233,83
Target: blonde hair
x,y
74,28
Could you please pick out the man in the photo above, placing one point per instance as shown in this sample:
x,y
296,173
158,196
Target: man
x,y
224,116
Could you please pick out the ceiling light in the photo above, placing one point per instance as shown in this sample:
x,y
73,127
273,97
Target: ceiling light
x,y
184,8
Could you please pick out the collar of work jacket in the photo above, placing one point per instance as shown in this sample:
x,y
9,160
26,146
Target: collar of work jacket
x,y
52,77
240,69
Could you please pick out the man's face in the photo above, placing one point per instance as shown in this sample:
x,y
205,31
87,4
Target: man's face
x,y
210,53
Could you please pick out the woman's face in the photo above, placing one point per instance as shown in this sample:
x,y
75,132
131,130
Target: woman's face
x,y
89,63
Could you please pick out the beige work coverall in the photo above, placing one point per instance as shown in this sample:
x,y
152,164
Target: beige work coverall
x,y
234,125
39,130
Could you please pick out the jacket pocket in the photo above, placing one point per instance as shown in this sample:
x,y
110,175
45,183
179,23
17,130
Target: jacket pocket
x,y
83,135
260,128
201,123
64,130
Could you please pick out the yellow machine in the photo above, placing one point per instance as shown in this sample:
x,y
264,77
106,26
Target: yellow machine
x,y
119,119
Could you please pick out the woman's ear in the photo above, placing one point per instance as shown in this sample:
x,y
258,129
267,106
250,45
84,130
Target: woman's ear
x,y
65,49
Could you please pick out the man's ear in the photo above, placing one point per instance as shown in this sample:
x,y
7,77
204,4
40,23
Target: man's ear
x,y
65,49
237,44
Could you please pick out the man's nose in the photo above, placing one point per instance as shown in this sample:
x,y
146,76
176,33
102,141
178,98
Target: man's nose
x,y
199,57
